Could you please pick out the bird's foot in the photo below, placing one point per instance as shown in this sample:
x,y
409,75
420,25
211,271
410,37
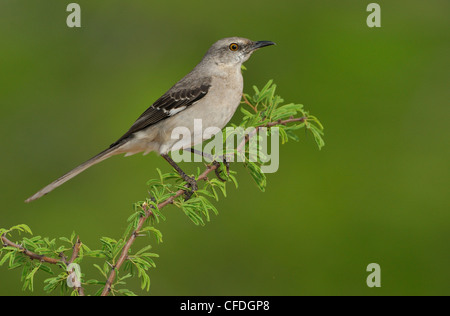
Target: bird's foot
x,y
192,183
217,170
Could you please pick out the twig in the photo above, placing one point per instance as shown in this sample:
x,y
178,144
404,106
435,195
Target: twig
x,y
76,250
30,254
249,104
284,122
268,125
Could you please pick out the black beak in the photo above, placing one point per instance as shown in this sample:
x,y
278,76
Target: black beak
x,y
260,44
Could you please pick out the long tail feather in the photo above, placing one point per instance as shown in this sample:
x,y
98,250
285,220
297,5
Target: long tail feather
x,y
74,172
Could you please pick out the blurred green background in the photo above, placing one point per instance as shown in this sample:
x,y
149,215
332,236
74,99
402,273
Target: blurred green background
x,y
377,192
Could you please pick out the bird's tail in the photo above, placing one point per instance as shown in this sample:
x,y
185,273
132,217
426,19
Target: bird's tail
x,y
94,160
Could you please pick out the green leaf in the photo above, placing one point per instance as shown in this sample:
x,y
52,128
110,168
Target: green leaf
x,y
155,232
246,113
317,133
65,240
148,247
29,244
72,237
29,280
257,175
145,284
95,282
126,292
233,179
21,228
95,254
45,268
101,270
209,205
5,257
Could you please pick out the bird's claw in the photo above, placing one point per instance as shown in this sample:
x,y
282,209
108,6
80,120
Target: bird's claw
x,y
191,182
217,170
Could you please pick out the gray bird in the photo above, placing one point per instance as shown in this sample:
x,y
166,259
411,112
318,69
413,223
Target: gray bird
x,y
211,92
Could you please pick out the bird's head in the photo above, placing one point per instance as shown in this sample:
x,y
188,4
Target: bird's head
x,y
233,51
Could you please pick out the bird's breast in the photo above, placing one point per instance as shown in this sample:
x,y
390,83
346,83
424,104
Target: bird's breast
x,y
224,98
211,113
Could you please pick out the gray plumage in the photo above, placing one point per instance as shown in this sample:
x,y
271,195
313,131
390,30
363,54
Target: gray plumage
x,y
211,92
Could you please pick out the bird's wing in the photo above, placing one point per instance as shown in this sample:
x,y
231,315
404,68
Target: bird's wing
x,y
172,102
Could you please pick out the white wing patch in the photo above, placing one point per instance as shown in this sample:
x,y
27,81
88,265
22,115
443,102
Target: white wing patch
x,y
174,111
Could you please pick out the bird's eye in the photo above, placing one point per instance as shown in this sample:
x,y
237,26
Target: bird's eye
x,y
234,47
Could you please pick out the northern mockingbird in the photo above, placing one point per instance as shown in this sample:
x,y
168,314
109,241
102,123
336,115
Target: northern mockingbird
x,y
211,92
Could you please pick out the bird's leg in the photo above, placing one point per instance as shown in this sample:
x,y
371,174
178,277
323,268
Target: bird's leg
x,y
191,181
227,164
215,163
201,153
